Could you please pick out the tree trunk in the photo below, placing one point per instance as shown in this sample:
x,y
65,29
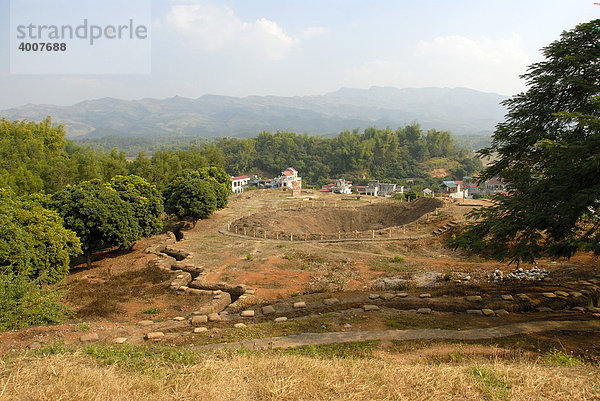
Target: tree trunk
x,y
88,256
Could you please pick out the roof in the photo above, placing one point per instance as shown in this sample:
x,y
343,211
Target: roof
x,y
328,185
241,177
287,174
494,181
361,186
324,190
449,184
291,169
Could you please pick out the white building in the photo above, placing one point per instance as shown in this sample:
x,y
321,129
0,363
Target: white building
x,y
289,179
239,183
342,186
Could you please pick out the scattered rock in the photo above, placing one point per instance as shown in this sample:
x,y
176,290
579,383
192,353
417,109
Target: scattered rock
x,y
35,345
561,293
593,309
487,312
347,326
240,326
155,335
281,319
368,308
533,274
119,340
389,283
473,298
575,294
200,330
268,310
331,301
425,295
247,313
402,294
299,305
501,312
214,317
145,323
549,294
524,297
250,292
89,337
578,308
179,318
507,297
373,296
387,296
198,320
424,311
474,312
544,309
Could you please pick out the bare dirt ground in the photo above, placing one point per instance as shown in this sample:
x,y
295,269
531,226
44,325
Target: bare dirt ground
x,y
121,289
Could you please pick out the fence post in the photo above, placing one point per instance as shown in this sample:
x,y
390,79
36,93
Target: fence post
x,y
373,233
277,235
404,228
339,235
244,230
428,217
417,226
390,232
236,229
321,236
291,237
254,233
265,234
356,234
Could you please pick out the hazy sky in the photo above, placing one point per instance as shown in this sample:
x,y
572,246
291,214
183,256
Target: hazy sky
x,y
304,47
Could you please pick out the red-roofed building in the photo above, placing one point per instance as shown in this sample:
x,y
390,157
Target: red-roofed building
x,y
239,183
289,179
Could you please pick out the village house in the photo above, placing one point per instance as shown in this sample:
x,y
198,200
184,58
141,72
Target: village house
x,y
341,186
289,178
494,186
238,184
376,188
428,193
454,189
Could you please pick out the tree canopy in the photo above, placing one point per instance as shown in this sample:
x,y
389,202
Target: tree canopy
x,y
190,197
548,153
33,241
145,201
98,215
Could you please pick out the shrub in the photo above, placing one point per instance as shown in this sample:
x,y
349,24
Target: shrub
x,y
26,303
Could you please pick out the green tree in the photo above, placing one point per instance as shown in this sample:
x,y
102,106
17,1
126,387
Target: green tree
x,y
98,215
145,201
33,241
190,197
548,152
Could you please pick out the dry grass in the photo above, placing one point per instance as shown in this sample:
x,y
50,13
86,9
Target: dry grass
x,y
278,376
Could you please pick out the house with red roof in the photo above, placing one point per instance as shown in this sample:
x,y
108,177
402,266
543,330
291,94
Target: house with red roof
x,y
289,179
238,184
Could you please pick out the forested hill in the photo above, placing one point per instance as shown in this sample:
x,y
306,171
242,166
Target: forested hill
x,y
36,157
460,110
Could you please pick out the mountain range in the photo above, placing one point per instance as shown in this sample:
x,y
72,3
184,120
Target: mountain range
x,y
460,110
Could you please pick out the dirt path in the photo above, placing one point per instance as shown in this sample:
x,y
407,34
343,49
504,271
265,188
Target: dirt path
x,y
411,334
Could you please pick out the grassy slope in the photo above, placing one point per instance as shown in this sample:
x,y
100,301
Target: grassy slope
x,y
359,371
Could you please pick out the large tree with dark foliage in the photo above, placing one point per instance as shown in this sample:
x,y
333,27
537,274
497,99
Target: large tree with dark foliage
x,y
98,215
548,152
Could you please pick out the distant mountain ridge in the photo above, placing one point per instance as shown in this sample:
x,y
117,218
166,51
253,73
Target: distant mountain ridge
x,y
460,110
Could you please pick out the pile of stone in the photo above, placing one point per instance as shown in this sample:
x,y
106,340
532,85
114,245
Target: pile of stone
x,y
533,274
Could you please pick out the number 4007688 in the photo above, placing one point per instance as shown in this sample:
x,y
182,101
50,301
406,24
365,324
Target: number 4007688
x,y
42,46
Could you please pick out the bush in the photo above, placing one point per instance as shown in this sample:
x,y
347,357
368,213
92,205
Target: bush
x,y
26,303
